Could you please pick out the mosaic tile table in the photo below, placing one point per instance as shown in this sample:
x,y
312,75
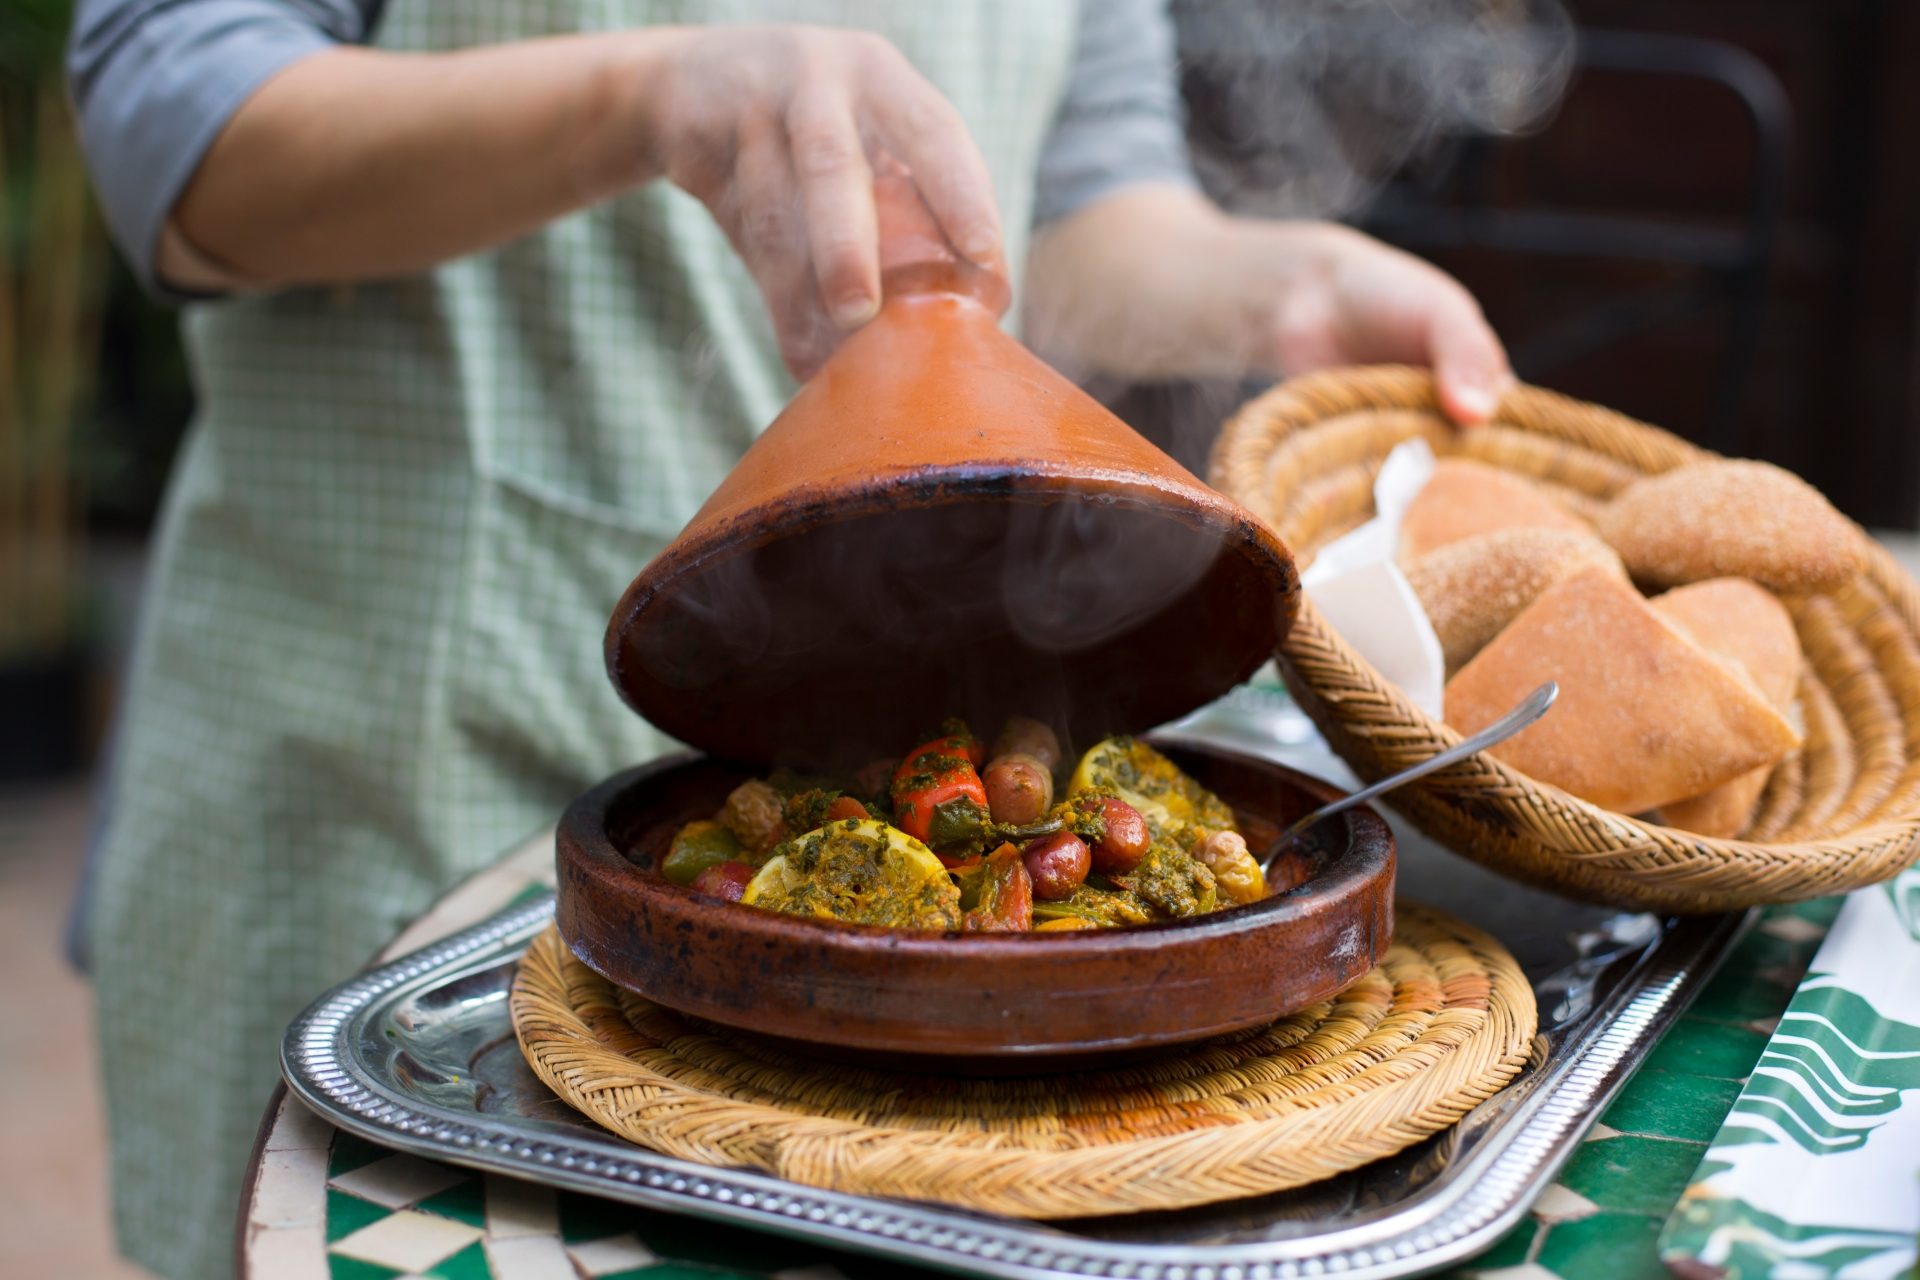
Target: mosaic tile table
x,y
323,1204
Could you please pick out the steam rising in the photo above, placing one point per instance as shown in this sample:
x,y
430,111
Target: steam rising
x,y
1304,108
841,640
1075,577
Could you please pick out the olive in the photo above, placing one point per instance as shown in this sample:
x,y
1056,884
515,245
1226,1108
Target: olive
x,y
724,880
1025,736
1126,841
1019,789
1057,865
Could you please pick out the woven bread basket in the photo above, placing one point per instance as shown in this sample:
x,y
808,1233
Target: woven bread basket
x,y
1842,812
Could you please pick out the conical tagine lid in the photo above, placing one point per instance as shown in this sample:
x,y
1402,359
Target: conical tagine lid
x,y
940,524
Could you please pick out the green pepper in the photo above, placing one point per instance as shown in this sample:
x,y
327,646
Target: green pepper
x,y
697,846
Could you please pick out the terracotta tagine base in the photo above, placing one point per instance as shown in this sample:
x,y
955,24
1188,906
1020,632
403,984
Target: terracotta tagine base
x,y
1005,1002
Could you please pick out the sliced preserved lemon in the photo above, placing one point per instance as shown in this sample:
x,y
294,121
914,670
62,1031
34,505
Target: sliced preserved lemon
x,y
1166,797
858,870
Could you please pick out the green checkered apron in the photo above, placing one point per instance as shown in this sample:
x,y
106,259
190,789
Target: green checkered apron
x,y
370,661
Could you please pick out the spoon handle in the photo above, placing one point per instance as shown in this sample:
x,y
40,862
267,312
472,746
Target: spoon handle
x,y
1532,708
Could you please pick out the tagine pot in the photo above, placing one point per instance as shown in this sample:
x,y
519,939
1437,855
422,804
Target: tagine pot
x,y
939,522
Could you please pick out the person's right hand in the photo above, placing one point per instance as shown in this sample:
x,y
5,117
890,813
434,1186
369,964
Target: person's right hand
x,y
774,129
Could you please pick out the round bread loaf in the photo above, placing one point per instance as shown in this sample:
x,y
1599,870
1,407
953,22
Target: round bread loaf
x,y
1732,518
1464,499
1473,588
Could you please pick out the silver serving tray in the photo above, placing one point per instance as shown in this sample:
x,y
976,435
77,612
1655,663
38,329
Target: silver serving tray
x,y
419,1055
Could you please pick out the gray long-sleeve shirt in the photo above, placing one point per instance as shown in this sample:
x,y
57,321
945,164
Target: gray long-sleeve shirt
x,y
156,80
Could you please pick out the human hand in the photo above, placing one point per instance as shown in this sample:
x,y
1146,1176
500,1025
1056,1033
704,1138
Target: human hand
x,y
1354,300
775,130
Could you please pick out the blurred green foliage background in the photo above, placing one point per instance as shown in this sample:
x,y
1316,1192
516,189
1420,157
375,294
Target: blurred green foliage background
x,y
129,420
93,400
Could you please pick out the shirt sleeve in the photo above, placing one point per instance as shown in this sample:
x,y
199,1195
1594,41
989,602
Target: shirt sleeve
x,y
154,82
1120,122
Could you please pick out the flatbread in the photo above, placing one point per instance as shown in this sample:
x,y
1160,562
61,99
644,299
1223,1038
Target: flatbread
x,y
1464,498
1645,716
1743,623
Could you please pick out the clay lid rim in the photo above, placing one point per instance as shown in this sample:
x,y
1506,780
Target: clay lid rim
x,y
837,503
1370,849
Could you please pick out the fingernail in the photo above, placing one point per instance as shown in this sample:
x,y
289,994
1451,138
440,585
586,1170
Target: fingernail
x,y
980,243
854,310
1476,401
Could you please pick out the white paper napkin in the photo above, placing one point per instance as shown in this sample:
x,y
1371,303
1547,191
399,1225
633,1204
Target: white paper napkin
x,y
1356,585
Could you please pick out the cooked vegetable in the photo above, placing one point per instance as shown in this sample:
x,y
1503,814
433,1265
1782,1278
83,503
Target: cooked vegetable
x,y
1133,840
1225,854
756,814
1167,798
817,806
1025,736
1019,789
1102,905
1002,898
697,846
724,880
862,871
955,729
937,795
1057,865
1169,880
847,807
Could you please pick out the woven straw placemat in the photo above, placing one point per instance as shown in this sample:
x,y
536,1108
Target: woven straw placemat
x,y
1440,1024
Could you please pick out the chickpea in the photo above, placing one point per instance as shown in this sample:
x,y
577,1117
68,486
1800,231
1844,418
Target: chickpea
x,y
1057,865
755,813
1239,877
1019,789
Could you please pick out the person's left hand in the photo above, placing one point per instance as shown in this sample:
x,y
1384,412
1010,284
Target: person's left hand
x,y
1354,300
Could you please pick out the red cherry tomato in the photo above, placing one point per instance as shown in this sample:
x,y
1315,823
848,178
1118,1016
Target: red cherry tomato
x,y
845,807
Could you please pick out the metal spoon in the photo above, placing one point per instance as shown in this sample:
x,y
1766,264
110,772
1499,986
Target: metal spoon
x,y
1532,708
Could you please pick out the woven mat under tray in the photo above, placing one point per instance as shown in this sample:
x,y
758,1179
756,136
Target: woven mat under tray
x,y
1440,1024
